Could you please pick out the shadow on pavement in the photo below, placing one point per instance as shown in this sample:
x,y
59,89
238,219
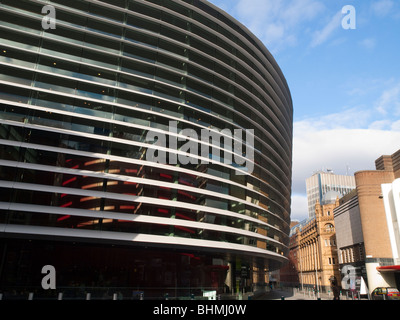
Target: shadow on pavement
x,y
290,294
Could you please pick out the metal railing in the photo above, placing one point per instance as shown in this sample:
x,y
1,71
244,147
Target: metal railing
x,y
122,293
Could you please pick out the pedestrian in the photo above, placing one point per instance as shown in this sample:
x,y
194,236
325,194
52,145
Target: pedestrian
x,y
336,293
335,290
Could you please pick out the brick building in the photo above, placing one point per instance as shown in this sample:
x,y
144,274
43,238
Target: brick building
x,y
313,252
366,232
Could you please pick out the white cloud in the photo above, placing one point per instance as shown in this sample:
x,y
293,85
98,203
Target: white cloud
x,y
389,101
381,125
368,43
382,7
316,148
350,118
299,207
277,23
353,137
322,35
395,126
298,11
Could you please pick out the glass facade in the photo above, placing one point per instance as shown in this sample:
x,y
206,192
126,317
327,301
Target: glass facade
x,y
323,186
76,104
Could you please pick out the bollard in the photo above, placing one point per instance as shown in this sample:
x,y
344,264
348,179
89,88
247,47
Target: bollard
x,y
141,296
30,296
60,296
1,296
115,296
166,296
88,296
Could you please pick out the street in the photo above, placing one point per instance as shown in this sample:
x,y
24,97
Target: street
x,y
295,294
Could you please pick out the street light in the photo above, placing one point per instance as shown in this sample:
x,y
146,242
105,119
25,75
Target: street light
x,y
315,262
301,271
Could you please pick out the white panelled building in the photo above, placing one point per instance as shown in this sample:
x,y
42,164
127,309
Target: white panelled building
x,y
322,182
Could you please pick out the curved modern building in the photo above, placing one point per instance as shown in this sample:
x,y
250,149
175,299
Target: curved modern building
x,y
90,89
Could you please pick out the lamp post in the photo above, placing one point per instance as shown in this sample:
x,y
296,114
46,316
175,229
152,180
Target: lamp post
x,y
301,271
315,262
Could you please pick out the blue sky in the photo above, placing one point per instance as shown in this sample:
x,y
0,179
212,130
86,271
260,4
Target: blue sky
x,y
345,84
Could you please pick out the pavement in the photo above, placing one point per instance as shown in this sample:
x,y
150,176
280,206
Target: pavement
x,y
294,294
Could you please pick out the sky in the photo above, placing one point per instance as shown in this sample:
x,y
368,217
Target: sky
x,y
343,75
